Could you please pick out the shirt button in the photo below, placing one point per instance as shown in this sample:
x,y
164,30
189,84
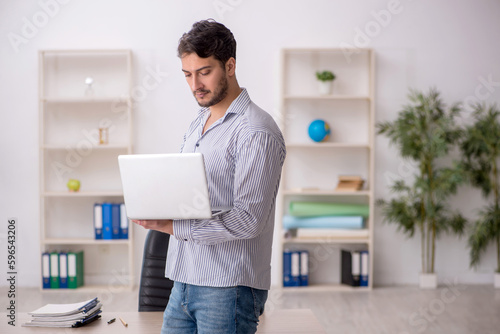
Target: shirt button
x,y
197,145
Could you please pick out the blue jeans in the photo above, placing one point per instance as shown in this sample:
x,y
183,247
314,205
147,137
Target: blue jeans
x,y
208,310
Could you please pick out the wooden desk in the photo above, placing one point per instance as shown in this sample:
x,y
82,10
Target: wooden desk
x,y
276,321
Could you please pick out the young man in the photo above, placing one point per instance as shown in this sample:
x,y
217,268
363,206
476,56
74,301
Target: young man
x,y
221,266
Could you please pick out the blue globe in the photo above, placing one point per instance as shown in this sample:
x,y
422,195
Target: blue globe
x,y
319,130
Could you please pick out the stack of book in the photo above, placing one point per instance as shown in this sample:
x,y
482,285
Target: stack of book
x,y
66,315
349,183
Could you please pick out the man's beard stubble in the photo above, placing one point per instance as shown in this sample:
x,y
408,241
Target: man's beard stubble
x,y
220,93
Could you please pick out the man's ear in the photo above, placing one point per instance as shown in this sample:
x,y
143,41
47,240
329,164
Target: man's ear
x,y
231,66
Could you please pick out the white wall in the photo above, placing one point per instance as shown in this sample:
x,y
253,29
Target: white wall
x,y
449,44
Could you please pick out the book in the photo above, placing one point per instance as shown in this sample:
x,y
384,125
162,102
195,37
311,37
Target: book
x,y
107,221
363,281
115,221
54,270
123,222
65,315
63,270
98,220
46,270
75,269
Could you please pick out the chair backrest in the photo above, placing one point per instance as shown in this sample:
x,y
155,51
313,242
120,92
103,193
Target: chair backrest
x,y
155,288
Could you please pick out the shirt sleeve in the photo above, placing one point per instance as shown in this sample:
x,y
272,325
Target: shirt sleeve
x,y
257,174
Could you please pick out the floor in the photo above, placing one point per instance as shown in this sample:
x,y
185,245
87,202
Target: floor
x,y
454,309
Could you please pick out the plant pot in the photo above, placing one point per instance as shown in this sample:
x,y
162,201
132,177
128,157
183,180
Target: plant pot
x,y
428,281
497,280
325,87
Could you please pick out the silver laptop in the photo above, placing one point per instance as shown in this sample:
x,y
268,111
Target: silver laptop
x,y
166,186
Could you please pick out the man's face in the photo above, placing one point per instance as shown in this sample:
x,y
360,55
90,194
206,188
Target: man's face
x,y
206,77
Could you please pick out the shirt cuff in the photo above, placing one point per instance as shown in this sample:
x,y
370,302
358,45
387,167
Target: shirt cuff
x,y
182,229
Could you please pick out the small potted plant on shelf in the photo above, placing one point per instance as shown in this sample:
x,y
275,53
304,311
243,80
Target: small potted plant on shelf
x,y
423,132
325,79
480,148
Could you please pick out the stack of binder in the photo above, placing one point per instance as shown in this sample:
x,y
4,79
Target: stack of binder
x,y
66,315
295,268
354,268
110,221
62,270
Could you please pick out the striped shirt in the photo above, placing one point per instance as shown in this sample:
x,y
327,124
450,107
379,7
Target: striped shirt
x,y
243,152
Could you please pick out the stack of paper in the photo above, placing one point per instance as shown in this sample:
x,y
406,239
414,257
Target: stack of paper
x,y
66,315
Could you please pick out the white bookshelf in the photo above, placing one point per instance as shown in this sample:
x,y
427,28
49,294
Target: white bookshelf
x,y
311,169
69,117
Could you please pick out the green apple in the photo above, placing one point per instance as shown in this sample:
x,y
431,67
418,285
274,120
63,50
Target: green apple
x,y
73,185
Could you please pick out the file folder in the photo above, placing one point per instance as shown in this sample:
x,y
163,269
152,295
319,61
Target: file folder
x,y
364,269
304,268
115,221
46,270
123,222
54,270
107,222
75,269
63,270
98,220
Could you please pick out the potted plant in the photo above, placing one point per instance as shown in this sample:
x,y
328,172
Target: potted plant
x,y
481,152
325,79
425,131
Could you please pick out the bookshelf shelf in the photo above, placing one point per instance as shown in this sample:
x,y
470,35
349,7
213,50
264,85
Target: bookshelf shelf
x,y
326,97
328,145
95,147
311,170
68,194
326,193
93,288
325,288
78,100
81,92
328,240
85,241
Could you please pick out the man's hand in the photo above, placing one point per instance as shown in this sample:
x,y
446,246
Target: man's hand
x,y
165,226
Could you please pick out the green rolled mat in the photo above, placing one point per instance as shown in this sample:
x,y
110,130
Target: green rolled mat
x,y
312,209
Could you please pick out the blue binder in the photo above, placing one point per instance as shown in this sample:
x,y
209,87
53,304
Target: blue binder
x,y
107,222
304,268
115,221
46,270
98,220
123,222
291,268
63,270
363,281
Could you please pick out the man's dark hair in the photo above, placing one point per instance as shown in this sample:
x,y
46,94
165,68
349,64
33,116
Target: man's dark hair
x,y
208,38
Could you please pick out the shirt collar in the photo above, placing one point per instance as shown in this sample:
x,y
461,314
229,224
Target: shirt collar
x,y
237,106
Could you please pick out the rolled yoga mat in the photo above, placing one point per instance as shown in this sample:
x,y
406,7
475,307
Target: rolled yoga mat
x,y
313,209
323,222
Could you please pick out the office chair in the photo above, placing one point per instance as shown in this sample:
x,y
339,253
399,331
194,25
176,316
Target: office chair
x,y
155,288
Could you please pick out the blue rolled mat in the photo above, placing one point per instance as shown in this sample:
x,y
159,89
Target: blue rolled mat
x,y
351,222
